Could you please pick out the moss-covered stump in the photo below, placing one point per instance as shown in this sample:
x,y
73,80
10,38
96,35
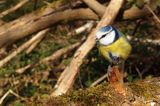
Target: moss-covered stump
x,y
140,93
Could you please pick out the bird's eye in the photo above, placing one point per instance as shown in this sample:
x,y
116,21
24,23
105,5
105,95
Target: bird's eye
x,y
103,36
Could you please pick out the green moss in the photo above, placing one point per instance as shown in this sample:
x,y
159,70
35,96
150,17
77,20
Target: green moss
x,y
102,95
143,89
105,95
18,103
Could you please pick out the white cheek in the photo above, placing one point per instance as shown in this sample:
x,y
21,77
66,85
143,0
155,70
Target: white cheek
x,y
108,39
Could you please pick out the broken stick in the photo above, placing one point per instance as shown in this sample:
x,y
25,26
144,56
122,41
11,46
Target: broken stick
x,y
12,9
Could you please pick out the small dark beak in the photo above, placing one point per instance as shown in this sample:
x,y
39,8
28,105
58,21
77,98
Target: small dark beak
x,y
97,40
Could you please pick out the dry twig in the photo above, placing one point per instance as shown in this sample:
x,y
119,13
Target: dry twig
x,y
139,73
97,7
7,93
2,1
23,69
19,5
59,53
150,10
34,44
132,13
87,27
99,80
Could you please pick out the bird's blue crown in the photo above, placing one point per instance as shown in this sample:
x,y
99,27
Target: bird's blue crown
x,y
106,29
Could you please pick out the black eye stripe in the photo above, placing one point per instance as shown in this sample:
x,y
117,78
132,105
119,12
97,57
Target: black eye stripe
x,y
103,36
106,34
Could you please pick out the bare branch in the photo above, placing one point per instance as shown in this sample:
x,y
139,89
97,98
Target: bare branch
x,y
2,1
23,69
97,7
7,93
132,13
29,50
16,7
59,53
99,80
155,16
87,27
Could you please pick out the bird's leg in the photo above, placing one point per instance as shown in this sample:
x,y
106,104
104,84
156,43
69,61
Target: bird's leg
x,y
115,78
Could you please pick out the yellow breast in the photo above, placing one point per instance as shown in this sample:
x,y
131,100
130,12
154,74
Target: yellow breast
x,y
120,48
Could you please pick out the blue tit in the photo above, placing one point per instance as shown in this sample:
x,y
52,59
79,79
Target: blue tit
x,y
112,44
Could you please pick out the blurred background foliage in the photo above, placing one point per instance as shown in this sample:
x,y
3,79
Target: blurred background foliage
x,y
38,82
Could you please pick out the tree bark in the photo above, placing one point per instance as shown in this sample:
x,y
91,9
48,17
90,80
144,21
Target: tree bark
x,y
96,6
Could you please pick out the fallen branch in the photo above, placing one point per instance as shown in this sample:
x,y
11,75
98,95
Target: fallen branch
x,y
34,44
132,13
22,47
59,53
12,9
23,69
150,10
7,93
97,7
67,77
87,27
99,80
1,2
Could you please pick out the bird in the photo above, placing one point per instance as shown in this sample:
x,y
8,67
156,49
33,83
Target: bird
x,y
113,45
